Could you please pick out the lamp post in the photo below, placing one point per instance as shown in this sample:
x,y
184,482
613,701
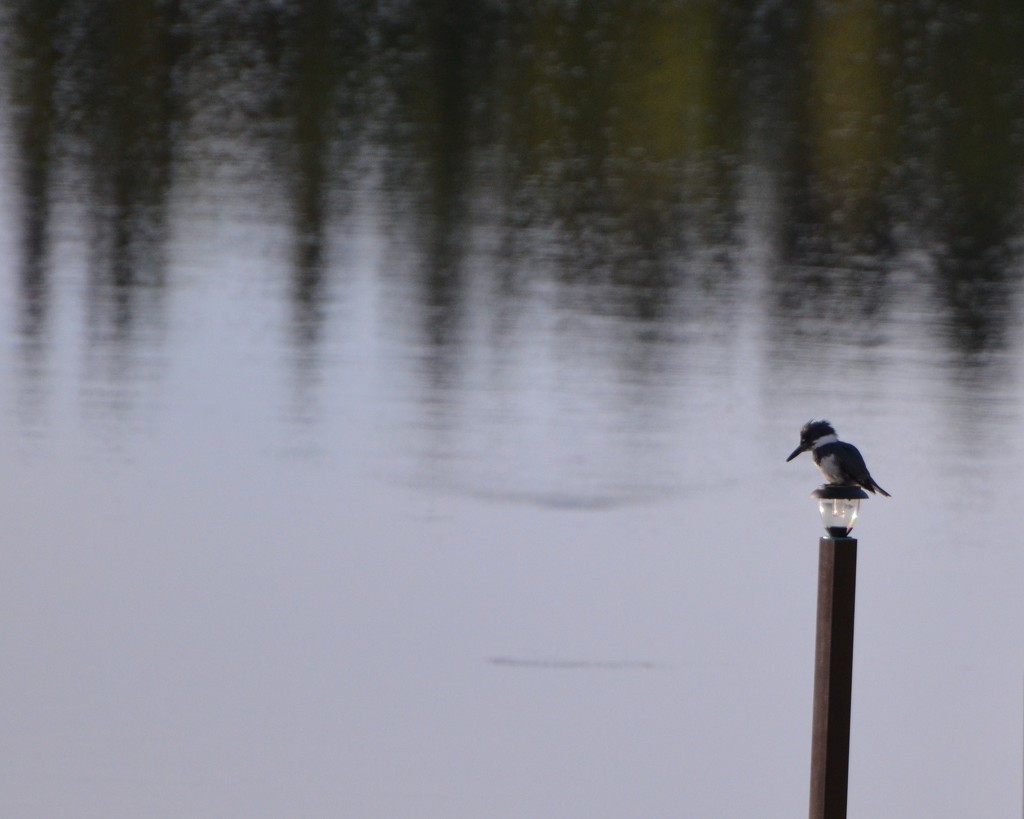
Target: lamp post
x,y
833,654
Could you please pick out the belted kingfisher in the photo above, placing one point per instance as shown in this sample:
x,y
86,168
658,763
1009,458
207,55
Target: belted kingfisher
x,y
841,463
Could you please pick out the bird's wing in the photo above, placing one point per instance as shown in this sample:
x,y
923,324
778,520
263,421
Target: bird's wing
x,y
853,462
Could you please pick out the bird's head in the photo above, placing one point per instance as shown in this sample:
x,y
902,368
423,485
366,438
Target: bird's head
x,y
812,432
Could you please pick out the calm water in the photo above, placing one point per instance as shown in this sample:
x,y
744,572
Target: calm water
x,y
396,397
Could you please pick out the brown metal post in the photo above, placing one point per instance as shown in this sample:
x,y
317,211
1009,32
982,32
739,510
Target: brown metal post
x,y
833,677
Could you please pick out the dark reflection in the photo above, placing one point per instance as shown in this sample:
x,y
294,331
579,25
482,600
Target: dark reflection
x,y
602,149
979,148
439,91
322,66
97,107
36,133
840,127
912,144
440,73
308,100
128,104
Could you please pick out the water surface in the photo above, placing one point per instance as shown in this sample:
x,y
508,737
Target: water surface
x,y
397,396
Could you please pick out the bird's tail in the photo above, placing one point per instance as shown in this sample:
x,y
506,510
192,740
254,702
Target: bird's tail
x,y
882,491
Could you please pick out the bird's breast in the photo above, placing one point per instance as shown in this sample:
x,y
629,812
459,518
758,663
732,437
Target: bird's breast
x,y
829,466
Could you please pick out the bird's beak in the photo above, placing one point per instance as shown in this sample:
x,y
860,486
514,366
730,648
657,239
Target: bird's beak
x,y
796,452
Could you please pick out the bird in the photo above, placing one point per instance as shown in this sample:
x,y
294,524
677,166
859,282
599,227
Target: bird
x,y
841,463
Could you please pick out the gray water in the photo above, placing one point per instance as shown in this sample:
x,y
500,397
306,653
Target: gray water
x,y
396,398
